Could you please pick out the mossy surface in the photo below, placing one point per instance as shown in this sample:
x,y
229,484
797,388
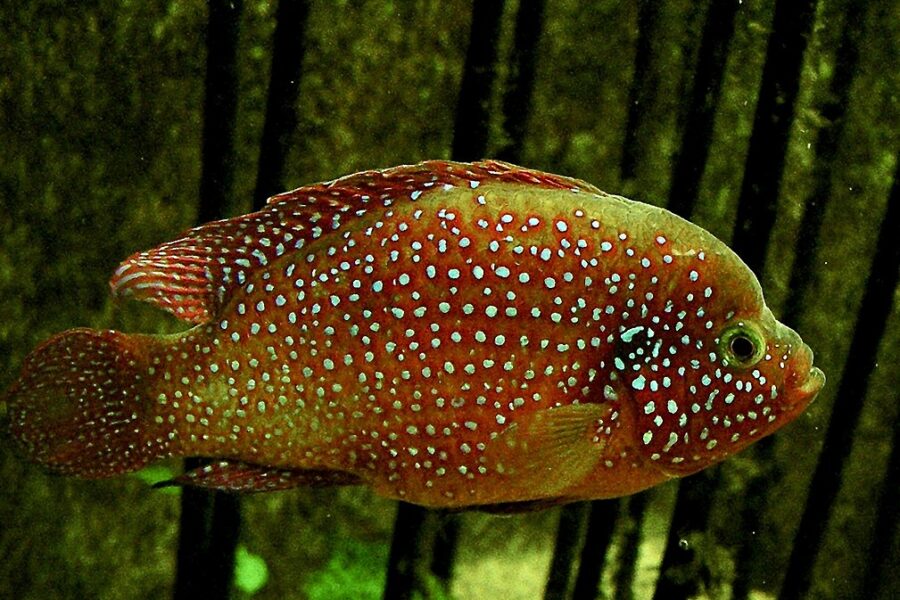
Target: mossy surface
x,y
101,106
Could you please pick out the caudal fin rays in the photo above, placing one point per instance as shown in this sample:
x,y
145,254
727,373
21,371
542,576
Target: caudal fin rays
x,y
80,406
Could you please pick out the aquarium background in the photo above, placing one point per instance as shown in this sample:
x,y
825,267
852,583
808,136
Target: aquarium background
x,y
124,123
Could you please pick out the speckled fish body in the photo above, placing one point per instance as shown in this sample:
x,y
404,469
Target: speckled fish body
x,y
450,334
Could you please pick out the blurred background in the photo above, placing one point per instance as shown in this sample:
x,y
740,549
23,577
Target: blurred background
x,y
772,123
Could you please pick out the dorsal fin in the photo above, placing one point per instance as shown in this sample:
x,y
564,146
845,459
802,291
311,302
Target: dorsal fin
x,y
404,180
193,275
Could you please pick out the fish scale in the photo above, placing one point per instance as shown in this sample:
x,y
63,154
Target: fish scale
x,y
450,334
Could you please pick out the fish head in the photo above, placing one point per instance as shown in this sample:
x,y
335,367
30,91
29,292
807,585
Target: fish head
x,y
784,364
711,370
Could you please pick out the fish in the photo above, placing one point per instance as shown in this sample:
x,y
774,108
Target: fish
x,y
453,335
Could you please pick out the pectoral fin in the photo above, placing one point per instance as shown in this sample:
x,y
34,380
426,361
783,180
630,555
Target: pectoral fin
x,y
548,451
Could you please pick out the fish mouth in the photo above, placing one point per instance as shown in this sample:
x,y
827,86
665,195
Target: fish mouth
x,y
815,377
814,382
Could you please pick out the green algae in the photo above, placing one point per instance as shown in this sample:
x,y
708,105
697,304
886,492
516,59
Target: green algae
x,y
99,157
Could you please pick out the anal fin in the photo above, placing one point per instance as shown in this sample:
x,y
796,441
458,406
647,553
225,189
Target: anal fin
x,y
242,477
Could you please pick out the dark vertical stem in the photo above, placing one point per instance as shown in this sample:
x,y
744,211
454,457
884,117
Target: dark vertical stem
x,y
887,522
288,49
826,150
758,201
601,520
870,326
223,540
470,137
208,536
702,101
470,130
520,88
402,583
568,536
220,103
640,94
642,86
772,123
193,538
444,549
689,49
681,574
516,108
628,553
210,521
690,162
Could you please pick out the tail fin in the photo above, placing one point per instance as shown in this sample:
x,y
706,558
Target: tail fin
x,y
79,406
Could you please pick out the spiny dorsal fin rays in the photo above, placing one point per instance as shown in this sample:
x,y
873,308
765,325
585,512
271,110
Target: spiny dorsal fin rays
x,y
174,278
194,275
401,181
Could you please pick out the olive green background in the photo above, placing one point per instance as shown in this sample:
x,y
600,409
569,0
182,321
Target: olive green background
x,y
100,121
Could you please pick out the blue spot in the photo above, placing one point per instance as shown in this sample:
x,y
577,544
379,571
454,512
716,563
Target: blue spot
x,y
629,334
639,382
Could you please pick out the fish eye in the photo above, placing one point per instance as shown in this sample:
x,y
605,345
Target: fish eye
x,y
742,344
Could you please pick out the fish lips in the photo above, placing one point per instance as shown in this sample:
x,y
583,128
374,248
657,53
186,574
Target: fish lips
x,y
814,382
810,379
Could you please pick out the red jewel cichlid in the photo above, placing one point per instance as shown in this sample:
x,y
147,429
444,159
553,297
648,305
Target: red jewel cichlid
x,y
450,334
